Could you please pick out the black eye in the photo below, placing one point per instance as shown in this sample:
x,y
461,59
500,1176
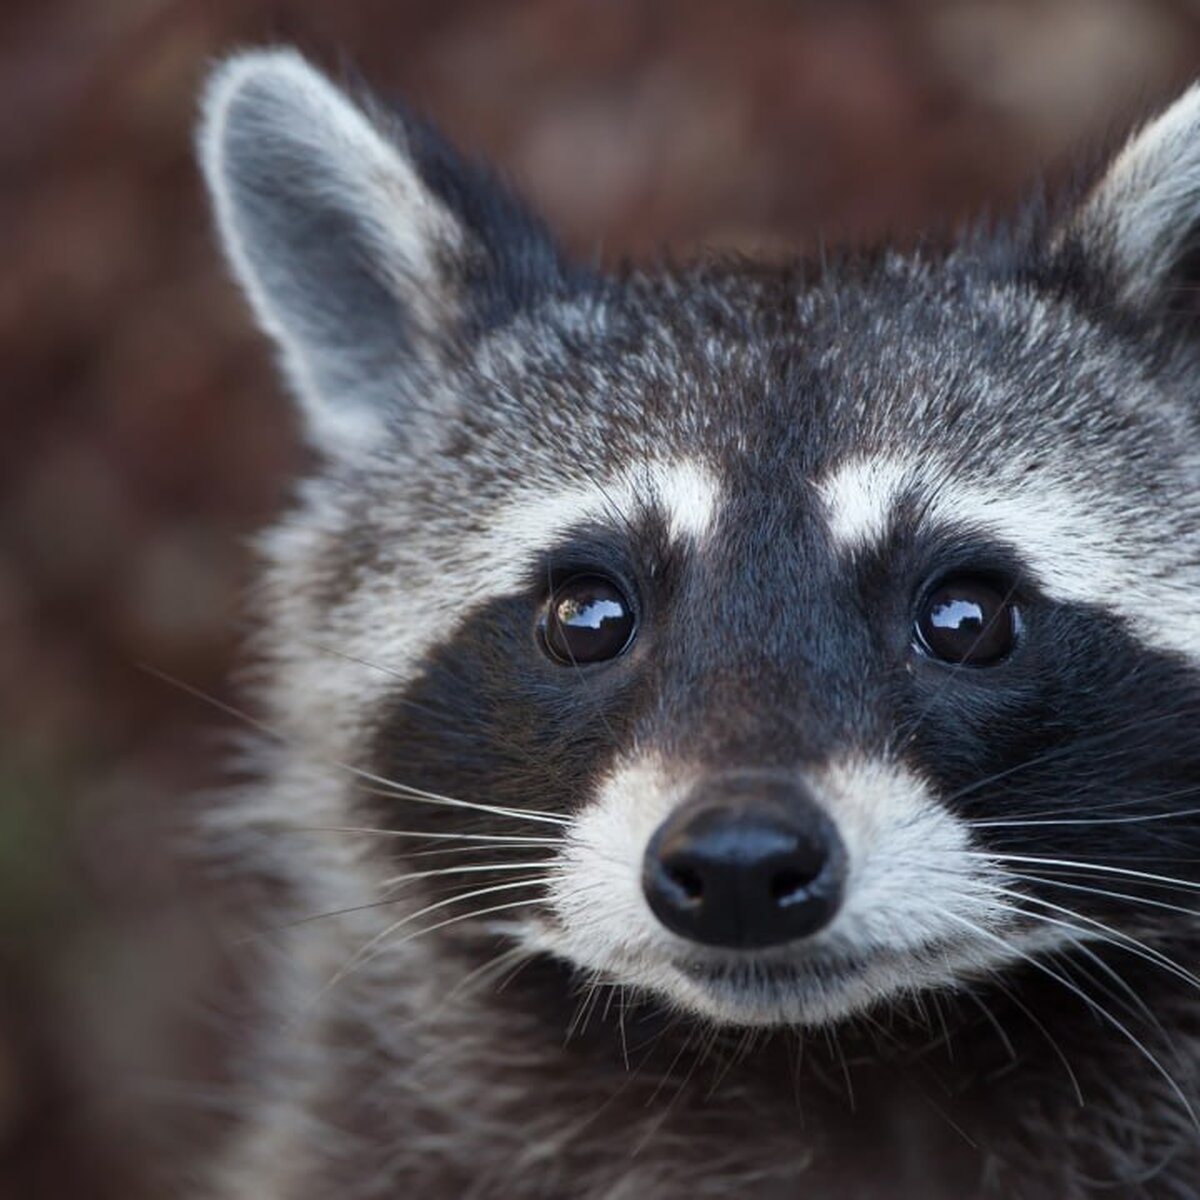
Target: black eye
x,y
968,621
588,619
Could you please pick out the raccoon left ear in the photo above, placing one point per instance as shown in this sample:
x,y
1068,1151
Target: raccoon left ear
x,y
368,249
1139,228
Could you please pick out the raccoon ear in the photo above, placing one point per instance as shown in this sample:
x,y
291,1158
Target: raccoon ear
x,y
365,246
1140,225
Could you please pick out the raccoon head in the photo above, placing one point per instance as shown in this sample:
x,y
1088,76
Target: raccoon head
x,y
773,642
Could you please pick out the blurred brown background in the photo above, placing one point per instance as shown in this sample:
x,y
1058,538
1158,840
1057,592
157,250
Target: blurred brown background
x,y
144,435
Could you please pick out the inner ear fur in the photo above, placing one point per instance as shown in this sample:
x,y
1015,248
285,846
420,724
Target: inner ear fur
x,y
1139,226
366,246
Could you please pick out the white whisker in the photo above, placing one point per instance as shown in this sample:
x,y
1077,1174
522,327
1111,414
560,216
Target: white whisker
x,y
489,970
1091,1003
362,957
474,868
390,786
1078,865
497,838
364,951
1087,889
1108,735
1138,819
402,791
1107,934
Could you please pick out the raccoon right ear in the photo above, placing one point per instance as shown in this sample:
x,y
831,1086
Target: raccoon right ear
x,y
365,246
1139,227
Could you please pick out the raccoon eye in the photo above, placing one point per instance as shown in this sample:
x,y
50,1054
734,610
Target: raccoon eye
x,y
588,619
967,621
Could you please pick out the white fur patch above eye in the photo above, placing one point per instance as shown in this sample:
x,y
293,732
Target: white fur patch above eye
x,y
685,493
688,495
378,633
860,495
1081,547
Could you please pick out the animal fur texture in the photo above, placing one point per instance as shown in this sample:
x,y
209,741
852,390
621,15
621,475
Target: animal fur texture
x,y
905,549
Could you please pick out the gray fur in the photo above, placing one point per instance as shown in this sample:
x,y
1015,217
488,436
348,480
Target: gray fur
x,y
306,192
1037,390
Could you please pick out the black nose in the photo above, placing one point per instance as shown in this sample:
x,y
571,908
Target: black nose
x,y
749,861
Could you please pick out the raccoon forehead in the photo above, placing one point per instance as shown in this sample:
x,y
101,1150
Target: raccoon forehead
x,y
1083,540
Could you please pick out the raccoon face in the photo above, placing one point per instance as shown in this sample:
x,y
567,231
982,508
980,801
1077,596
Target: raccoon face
x,y
775,645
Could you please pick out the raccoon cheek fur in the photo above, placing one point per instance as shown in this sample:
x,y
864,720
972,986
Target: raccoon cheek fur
x,y
737,725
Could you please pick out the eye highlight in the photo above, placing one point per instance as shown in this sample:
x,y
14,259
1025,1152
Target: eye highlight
x,y
967,621
588,619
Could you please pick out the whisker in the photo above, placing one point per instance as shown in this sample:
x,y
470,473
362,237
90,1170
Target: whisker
x,y
406,701
497,838
390,787
1040,1026
623,1037
1087,889
349,909
488,971
992,1020
936,1003
1078,865
474,868
1091,1003
1141,725
1109,935
1139,818
1135,1002
583,1008
384,934
473,915
458,918
835,1045
403,791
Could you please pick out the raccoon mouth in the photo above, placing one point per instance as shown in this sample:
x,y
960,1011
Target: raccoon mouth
x,y
746,974
818,988
817,966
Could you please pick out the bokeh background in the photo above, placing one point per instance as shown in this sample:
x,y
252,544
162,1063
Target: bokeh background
x,y
144,436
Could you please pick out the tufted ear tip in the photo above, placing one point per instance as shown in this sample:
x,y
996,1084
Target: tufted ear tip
x,y
366,246
268,69
1140,224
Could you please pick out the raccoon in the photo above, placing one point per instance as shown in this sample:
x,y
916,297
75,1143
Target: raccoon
x,y
734,729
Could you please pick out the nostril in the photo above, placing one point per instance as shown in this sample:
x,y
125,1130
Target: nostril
x,y
688,881
790,886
